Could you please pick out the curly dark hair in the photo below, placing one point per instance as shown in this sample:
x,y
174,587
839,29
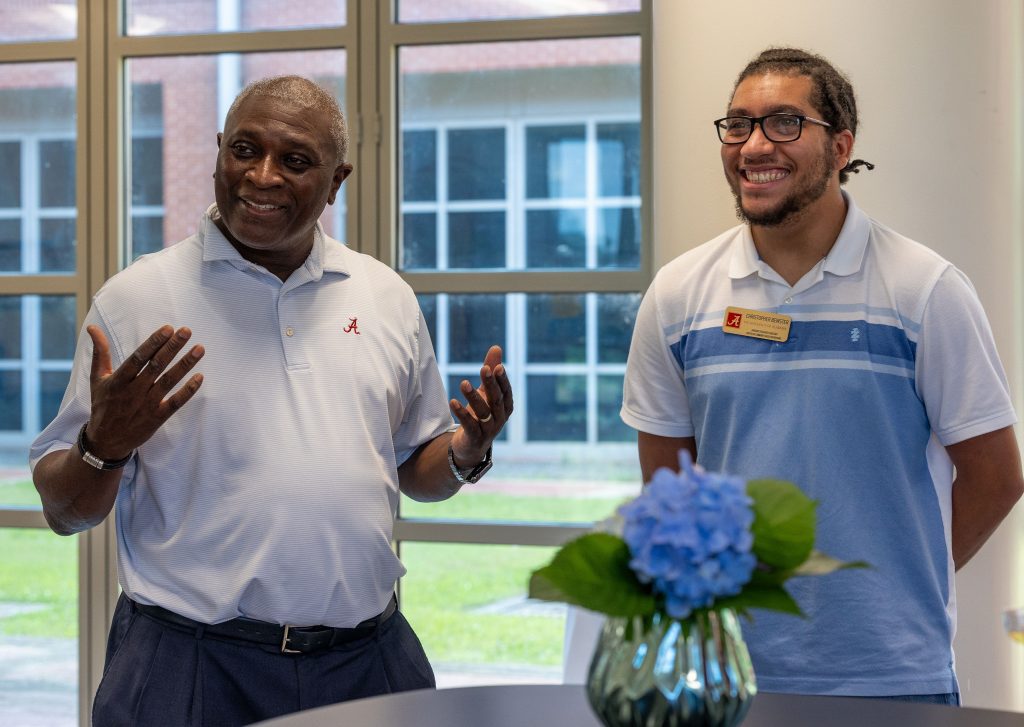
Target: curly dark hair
x,y
832,95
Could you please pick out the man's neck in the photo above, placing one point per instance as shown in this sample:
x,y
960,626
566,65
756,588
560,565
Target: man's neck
x,y
798,244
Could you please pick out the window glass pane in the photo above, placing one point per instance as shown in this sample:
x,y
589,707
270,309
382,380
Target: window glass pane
x,y
556,328
37,339
37,124
10,327
10,180
476,164
419,165
180,189
57,173
428,306
565,357
420,233
57,245
557,408
147,235
175,17
10,245
616,315
57,332
38,620
475,323
39,20
527,128
556,238
11,416
618,160
618,237
556,157
469,608
147,170
610,427
476,239
51,391
429,11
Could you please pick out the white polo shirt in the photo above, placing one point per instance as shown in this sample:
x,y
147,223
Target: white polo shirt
x,y
889,359
272,493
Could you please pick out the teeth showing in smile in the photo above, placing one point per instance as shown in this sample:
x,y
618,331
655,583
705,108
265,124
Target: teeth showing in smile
x,y
261,207
770,175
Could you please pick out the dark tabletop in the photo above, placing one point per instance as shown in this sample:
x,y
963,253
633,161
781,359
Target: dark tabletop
x,y
566,706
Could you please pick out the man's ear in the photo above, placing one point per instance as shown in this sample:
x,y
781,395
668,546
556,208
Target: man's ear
x,y
842,145
341,173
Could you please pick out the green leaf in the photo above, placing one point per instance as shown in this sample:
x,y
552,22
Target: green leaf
x,y
821,564
773,598
593,572
783,527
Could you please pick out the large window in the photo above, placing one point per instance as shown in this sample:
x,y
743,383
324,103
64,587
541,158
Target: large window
x,y
501,155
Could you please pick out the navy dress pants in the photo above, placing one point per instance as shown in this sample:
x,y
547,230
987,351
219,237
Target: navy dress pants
x,y
158,674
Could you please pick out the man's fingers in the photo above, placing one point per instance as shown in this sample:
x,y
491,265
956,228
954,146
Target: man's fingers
x,y
182,395
493,357
131,367
177,372
163,357
101,365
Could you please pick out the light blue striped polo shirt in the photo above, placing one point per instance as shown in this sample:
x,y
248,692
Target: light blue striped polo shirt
x,y
272,493
889,359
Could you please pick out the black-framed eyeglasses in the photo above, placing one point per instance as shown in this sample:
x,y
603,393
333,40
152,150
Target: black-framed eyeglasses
x,y
775,127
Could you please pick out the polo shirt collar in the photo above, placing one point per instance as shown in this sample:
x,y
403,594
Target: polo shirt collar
x,y
845,257
327,255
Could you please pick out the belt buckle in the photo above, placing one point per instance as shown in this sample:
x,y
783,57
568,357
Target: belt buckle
x,y
284,642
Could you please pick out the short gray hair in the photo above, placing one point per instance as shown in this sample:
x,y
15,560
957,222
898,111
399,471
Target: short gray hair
x,y
304,93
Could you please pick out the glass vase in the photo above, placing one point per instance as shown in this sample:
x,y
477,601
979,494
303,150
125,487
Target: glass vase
x,y
672,673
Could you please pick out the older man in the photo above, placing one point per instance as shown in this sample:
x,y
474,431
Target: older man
x,y
255,500
813,344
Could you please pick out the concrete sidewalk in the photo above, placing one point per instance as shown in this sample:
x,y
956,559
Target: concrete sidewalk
x,y
38,682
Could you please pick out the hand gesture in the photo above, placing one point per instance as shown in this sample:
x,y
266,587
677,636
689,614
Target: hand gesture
x,y
487,409
130,404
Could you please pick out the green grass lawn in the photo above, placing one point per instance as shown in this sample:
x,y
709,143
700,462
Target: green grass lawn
x,y
443,592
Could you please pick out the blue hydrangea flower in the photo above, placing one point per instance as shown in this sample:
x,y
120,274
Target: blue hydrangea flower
x,y
689,536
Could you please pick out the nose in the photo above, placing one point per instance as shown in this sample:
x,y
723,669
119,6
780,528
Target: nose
x,y
757,144
263,172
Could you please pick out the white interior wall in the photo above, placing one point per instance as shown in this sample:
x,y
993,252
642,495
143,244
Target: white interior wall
x,y
939,86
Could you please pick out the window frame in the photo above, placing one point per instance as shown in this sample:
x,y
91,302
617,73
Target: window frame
x,y
371,38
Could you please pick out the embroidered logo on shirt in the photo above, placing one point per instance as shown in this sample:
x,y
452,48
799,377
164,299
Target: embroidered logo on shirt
x,y
854,334
352,327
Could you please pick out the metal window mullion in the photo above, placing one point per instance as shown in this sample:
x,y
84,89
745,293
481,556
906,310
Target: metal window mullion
x,y
30,346
591,344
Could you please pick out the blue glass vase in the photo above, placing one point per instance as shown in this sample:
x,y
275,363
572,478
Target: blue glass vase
x,y
672,673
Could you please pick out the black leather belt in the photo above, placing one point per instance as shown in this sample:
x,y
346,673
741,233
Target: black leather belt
x,y
290,639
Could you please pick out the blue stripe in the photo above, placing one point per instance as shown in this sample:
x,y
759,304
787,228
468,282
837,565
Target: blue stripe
x,y
857,340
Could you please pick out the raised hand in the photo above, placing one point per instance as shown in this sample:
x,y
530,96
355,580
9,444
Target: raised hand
x,y
487,408
130,404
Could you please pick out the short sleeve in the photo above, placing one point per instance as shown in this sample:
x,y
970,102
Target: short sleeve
x,y
654,397
427,415
959,375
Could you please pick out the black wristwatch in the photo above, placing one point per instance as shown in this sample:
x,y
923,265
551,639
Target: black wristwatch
x,y
92,460
469,475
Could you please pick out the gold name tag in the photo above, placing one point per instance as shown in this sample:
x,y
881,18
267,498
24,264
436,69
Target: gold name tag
x,y
756,324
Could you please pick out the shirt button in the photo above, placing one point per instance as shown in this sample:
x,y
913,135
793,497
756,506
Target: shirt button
x,y
788,300
289,331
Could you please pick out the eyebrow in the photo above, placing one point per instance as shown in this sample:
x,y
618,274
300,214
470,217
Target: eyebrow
x,y
291,142
780,109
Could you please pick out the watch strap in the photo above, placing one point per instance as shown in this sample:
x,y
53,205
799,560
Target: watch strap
x,y
471,475
92,460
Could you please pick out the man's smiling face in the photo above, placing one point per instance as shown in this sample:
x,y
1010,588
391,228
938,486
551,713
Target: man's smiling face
x,y
777,182
276,171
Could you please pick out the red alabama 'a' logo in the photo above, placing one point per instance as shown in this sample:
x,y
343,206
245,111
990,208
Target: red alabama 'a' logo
x,y
352,327
734,320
